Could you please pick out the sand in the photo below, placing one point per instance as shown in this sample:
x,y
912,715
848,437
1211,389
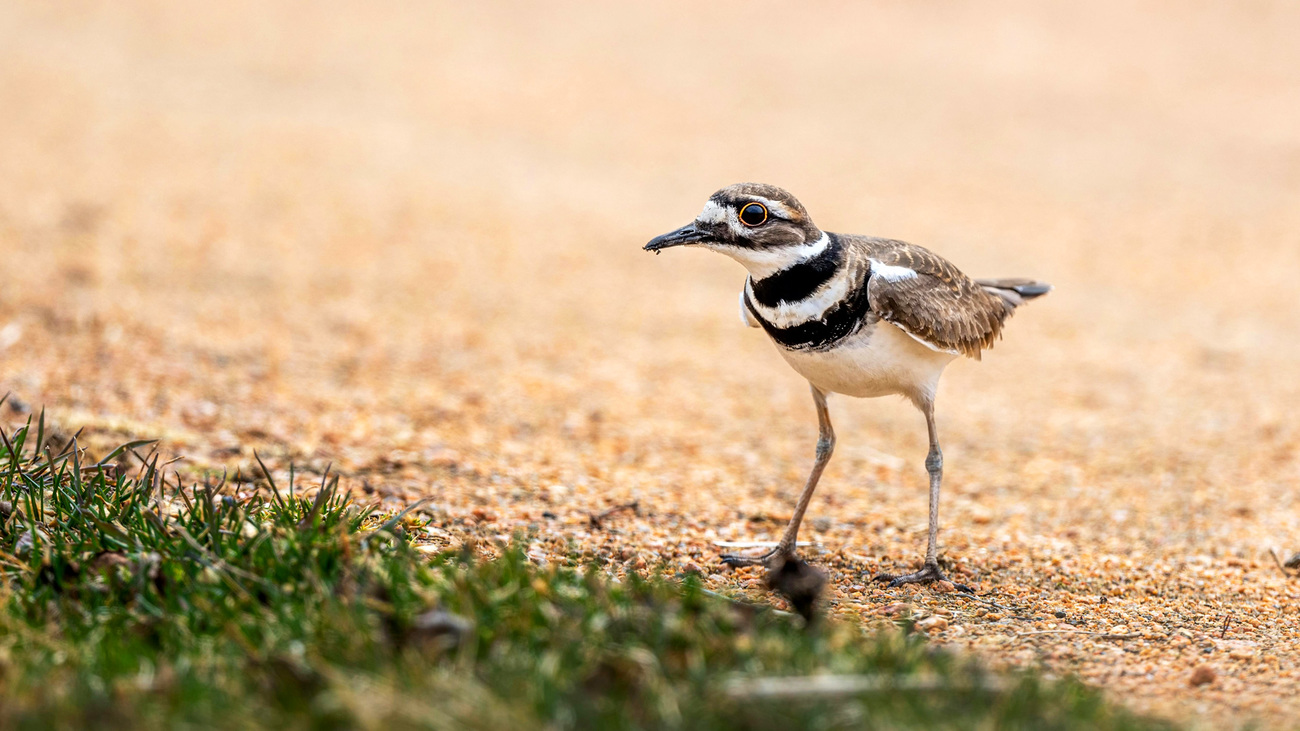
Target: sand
x,y
405,241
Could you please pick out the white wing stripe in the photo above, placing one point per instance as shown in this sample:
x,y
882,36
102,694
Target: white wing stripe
x,y
890,273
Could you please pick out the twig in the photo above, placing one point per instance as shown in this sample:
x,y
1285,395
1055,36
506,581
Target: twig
x,y
1277,560
1014,613
745,604
1098,635
597,520
1224,632
758,544
817,687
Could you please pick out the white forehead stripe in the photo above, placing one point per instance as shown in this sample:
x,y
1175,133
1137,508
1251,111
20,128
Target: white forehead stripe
x,y
890,273
712,213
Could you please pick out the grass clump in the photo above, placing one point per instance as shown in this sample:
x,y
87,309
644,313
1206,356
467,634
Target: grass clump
x,y
127,602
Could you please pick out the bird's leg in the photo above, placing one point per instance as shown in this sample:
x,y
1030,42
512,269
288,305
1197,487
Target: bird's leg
x,y
934,466
825,446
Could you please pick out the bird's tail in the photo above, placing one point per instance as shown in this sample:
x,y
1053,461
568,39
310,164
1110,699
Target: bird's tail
x,y
1015,292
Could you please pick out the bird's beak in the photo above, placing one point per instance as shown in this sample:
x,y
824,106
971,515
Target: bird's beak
x,y
683,236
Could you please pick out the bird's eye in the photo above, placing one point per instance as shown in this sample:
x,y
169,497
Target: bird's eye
x,y
753,214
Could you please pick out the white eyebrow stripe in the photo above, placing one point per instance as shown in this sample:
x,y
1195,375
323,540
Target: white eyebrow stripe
x,y
890,273
775,207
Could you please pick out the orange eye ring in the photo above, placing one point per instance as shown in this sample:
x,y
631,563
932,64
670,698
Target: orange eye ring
x,y
753,214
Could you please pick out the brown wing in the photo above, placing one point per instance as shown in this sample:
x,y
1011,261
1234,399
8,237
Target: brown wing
x,y
939,305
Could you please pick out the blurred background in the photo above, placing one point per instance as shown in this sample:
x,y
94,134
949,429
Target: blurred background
x,y
404,238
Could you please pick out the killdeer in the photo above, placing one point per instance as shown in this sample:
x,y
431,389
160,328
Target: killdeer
x,y
855,315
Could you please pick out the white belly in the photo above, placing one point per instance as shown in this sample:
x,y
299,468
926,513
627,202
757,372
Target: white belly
x,y
878,360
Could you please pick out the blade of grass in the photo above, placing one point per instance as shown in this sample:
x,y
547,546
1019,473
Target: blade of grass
x,y
40,432
129,445
394,520
322,495
275,493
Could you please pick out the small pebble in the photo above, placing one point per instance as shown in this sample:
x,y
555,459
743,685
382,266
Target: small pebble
x,y
1201,675
933,624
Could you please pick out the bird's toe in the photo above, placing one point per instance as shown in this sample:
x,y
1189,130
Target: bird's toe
x,y
931,573
767,559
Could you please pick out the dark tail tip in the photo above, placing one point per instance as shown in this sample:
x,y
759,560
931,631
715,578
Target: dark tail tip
x,y
1027,289
1030,291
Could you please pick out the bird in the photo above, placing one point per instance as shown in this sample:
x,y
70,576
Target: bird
x,y
855,315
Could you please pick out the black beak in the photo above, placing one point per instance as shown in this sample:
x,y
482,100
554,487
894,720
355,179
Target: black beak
x,y
687,234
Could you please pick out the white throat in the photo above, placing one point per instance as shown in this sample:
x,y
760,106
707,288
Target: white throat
x,y
763,263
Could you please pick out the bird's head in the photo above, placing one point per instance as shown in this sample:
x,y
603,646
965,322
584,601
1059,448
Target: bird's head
x,y
761,226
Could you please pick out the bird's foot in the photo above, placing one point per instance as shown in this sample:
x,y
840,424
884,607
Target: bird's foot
x,y
929,574
768,560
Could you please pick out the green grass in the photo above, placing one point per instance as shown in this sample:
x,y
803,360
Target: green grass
x,y
131,602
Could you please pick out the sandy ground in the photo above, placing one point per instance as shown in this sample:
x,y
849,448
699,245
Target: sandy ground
x,y
405,240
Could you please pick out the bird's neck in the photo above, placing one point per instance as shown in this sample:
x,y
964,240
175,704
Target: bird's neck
x,y
802,279
764,263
